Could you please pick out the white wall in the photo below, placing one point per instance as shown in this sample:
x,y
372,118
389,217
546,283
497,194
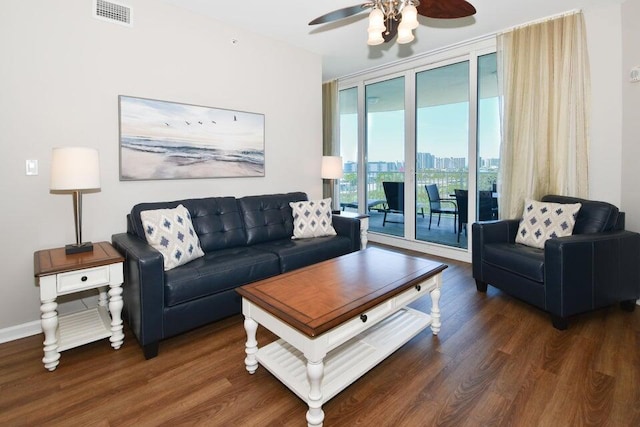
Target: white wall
x,y
605,156
61,74
630,114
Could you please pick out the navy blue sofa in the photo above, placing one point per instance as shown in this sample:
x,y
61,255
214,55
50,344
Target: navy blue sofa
x,y
244,240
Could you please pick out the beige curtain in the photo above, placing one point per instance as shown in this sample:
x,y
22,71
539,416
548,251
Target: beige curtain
x,y
329,131
544,79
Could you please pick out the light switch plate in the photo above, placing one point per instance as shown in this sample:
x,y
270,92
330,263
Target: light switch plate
x,y
634,75
32,167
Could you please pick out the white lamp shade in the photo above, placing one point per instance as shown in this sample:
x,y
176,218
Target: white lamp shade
x,y
375,38
376,21
410,17
75,168
404,35
331,167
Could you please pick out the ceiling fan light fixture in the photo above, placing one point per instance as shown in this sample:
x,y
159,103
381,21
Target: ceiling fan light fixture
x,y
410,17
405,35
375,38
376,21
391,18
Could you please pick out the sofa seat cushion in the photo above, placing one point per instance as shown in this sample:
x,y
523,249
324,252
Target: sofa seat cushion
x,y
518,259
297,253
218,271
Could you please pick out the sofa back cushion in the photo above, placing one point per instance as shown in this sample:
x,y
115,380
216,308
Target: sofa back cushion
x,y
216,220
268,217
593,217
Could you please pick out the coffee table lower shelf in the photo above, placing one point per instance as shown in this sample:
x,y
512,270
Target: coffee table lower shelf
x,y
348,362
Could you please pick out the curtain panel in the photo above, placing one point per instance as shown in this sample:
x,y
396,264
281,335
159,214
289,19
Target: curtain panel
x,y
543,73
330,127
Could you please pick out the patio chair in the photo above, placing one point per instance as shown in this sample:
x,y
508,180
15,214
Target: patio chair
x,y
462,200
487,206
394,193
436,205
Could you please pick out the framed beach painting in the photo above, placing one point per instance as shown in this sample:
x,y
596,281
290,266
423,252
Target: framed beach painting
x,y
170,140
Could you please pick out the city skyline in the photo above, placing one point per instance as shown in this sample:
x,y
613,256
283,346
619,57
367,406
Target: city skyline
x,y
424,161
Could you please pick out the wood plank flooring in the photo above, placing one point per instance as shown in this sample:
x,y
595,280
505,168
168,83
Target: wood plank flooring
x,y
496,362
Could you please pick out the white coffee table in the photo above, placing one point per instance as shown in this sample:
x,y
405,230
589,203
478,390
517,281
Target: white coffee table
x,y
338,319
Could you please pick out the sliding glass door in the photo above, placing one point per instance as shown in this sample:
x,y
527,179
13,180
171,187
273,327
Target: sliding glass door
x,y
430,134
385,136
488,139
442,146
348,113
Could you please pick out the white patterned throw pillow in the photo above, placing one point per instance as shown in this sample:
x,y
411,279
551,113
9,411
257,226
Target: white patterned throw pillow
x,y
542,221
312,219
170,231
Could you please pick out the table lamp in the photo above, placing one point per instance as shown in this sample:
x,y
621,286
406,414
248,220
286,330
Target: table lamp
x,y
75,169
331,170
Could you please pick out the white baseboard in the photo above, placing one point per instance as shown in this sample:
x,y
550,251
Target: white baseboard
x,y
20,331
33,328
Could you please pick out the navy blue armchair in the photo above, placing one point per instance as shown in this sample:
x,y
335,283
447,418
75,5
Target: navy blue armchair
x,y
597,266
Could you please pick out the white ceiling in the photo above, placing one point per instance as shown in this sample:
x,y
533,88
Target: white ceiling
x,y
343,44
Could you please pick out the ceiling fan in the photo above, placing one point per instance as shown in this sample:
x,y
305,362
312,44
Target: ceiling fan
x,y
389,18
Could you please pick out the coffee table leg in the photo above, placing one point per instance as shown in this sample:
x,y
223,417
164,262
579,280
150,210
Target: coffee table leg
x,y
251,348
435,311
315,372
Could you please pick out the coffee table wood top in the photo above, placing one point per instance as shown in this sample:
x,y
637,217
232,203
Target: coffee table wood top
x,y
319,297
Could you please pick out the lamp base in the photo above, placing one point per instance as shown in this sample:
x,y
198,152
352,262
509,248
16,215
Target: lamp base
x,y
77,248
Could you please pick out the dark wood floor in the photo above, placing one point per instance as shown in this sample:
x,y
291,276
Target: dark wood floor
x,y
496,362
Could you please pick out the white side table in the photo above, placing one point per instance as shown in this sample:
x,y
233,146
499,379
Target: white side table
x,y
61,274
364,226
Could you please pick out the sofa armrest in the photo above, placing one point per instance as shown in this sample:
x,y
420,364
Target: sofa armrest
x,y
143,287
348,227
503,231
588,271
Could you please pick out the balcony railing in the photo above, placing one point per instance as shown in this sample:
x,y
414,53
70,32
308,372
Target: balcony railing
x,y
447,181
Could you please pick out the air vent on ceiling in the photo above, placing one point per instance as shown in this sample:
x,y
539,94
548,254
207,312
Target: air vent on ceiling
x,y
112,12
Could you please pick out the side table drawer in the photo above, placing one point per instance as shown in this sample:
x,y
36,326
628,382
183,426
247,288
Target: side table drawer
x,y
89,278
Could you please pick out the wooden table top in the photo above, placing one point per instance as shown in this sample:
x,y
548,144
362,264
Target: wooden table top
x,y
319,297
54,261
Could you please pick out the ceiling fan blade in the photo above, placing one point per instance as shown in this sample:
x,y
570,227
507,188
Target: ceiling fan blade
x,y
340,14
445,9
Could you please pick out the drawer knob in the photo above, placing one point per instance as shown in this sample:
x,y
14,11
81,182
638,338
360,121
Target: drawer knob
x,y
418,288
363,317
84,278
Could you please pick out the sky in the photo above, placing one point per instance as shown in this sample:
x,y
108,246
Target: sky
x,y
442,131
163,120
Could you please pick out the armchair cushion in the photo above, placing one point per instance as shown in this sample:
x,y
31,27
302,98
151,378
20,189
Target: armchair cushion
x,y
594,216
542,221
522,260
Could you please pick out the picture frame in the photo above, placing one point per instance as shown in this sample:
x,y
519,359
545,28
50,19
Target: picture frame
x,y
171,140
